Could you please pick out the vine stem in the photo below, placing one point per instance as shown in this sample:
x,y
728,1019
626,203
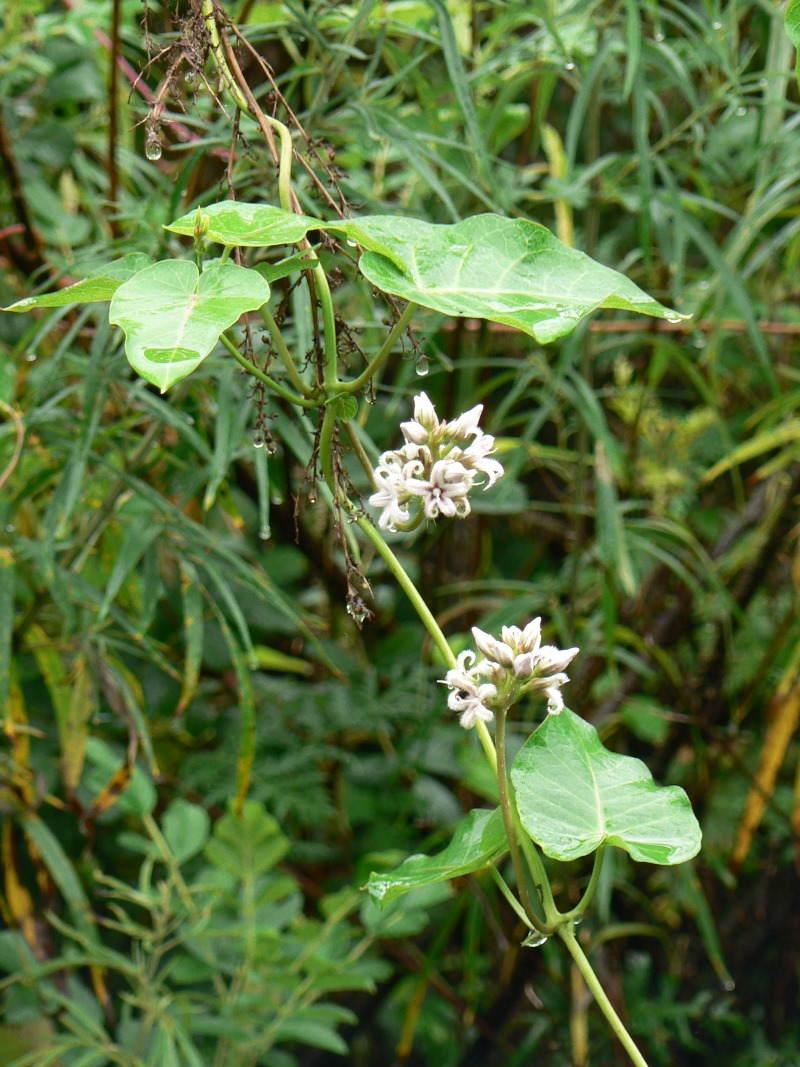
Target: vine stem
x,y
507,806
567,935
283,351
245,364
357,384
425,614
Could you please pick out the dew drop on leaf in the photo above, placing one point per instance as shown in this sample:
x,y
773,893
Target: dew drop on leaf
x,y
152,147
30,357
422,366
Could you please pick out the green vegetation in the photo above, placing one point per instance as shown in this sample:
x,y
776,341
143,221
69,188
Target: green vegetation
x,y
218,681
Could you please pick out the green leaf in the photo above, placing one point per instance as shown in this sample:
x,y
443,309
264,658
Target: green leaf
x,y
573,795
185,827
247,225
489,267
793,30
247,845
99,286
173,316
477,842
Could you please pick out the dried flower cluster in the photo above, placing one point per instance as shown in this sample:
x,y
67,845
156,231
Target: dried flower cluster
x,y
513,666
435,469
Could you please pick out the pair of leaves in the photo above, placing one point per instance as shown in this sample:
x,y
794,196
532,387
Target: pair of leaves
x,y
573,795
509,271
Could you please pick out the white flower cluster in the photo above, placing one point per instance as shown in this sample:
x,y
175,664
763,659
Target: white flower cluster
x,y
436,467
516,665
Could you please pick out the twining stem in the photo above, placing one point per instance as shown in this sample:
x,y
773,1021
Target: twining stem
x,y
326,445
508,806
251,368
567,935
283,351
357,384
580,908
512,900
425,614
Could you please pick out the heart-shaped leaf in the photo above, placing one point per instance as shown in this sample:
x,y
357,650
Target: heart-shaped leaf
x,y
99,286
489,267
574,795
173,316
247,225
477,842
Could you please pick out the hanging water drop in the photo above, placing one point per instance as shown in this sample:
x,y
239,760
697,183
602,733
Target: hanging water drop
x,y
352,243
672,316
534,940
658,37
741,111
152,146
704,284
716,26
699,341
258,441
569,66
10,527
312,498
265,533
422,366
30,357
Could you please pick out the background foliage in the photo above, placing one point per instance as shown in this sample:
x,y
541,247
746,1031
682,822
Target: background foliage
x,y
172,600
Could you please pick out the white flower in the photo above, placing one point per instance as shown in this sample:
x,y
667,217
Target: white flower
x,y
425,423
468,695
466,425
444,491
390,480
432,467
494,650
475,458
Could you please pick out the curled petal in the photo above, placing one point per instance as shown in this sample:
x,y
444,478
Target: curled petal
x,y
555,701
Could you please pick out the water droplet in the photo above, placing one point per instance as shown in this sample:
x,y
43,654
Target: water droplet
x,y
353,244
258,441
741,111
569,66
189,79
729,985
762,83
265,532
658,37
30,357
704,284
189,420
699,341
716,25
534,940
312,498
672,316
10,527
422,366
152,146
